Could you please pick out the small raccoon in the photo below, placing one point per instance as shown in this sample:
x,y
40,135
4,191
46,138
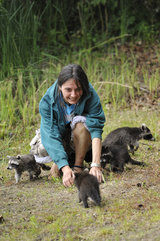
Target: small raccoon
x,y
21,163
128,136
88,186
117,156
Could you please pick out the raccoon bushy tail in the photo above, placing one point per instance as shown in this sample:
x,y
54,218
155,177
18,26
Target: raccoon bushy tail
x,y
44,167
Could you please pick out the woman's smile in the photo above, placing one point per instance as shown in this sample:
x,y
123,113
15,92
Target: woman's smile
x,y
71,92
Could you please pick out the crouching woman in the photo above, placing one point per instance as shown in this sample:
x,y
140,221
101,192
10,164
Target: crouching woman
x,y
72,121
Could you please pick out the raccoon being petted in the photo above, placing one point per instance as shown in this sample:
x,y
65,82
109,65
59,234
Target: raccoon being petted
x,y
88,186
21,163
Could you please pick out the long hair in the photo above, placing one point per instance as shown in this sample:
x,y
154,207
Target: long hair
x,y
74,71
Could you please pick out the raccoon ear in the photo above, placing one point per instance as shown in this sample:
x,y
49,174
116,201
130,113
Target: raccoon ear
x,y
109,154
143,127
105,149
18,157
8,157
76,174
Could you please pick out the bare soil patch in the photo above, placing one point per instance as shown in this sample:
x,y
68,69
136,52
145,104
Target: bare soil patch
x,y
44,210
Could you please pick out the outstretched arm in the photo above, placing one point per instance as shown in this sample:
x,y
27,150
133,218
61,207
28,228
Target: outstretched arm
x,y
96,153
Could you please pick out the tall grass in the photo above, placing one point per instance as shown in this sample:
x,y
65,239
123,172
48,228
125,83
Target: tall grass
x,y
111,75
19,35
31,28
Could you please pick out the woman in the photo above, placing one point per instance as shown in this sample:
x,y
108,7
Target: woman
x,y
72,121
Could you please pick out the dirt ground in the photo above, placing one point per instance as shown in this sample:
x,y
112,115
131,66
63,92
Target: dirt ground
x,y
45,210
137,190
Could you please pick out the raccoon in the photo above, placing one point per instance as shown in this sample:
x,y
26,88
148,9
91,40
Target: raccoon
x,y
117,156
88,186
129,136
21,163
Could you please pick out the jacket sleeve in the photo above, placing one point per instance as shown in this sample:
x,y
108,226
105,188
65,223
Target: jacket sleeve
x,y
95,117
50,135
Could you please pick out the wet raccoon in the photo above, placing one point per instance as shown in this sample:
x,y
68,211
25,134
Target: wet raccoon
x,y
21,163
117,156
129,136
88,186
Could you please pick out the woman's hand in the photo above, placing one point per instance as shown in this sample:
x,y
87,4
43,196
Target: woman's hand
x,y
68,176
96,171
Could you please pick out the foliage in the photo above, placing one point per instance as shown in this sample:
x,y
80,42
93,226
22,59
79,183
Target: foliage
x,y
29,29
19,35
37,38
113,74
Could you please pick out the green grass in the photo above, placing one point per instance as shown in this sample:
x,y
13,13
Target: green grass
x,y
45,209
112,75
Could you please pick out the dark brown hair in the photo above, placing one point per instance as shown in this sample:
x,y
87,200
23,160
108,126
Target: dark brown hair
x,y
74,71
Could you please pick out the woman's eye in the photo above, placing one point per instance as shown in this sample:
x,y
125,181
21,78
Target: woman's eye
x,y
68,90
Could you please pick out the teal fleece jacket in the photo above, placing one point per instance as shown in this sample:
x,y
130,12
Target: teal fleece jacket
x,y
53,125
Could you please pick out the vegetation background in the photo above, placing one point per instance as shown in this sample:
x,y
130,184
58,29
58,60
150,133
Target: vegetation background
x,y
117,44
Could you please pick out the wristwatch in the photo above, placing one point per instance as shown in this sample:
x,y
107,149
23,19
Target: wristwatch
x,y
95,165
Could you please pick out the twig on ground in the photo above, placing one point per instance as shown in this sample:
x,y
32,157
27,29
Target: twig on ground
x,y
114,83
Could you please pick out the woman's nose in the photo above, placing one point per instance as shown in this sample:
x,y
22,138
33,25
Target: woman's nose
x,y
73,93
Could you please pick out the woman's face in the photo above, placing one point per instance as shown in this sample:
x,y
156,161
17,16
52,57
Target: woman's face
x,y
71,92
